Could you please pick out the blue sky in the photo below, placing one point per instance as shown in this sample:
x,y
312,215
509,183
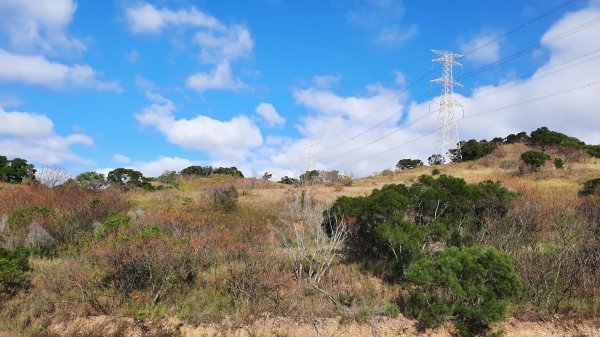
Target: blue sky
x,y
155,85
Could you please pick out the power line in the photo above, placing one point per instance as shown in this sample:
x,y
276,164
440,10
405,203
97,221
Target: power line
x,y
487,67
546,74
522,26
558,93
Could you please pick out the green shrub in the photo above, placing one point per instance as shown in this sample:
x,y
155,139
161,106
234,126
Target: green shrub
x,y
114,221
591,187
14,270
407,164
558,163
288,181
534,159
543,136
20,219
471,150
435,172
594,151
435,159
472,285
394,224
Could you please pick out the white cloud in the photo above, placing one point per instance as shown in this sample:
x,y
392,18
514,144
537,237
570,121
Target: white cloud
x,y
230,44
219,44
230,139
219,78
483,48
325,81
146,18
37,70
122,159
39,26
270,115
32,136
399,78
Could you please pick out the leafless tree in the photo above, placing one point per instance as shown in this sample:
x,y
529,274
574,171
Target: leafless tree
x,y
52,175
309,248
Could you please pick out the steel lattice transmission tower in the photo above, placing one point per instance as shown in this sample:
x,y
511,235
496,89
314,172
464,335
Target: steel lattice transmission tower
x,y
447,132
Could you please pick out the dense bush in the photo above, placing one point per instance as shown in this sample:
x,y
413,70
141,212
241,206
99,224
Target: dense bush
x,y
520,137
594,151
407,164
544,137
558,163
534,160
288,180
14,270
591,187
472,285
471,150
395,223
205,171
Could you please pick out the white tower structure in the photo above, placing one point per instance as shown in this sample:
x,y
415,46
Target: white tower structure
x,y
447,132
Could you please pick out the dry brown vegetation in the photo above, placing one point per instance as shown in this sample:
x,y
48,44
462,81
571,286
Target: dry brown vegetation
x,y
174,253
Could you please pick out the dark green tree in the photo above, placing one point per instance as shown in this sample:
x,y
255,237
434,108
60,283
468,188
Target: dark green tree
x,y
545,137
471,150
288,180
591,187
129,178
202,171
91,180
16,170
520,137
407,164
14,270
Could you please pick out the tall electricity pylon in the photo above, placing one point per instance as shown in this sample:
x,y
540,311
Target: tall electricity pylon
x,y
447,132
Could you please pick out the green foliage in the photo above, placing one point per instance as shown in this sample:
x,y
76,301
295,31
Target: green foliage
x,y
435,172
471,150
129,178
205,171
435,159
288,181
558,163
591,187
16,171
543,136
474,285
20,219
594,151
91,180
169,178
395,223
407,164
114,221
14,270
534,159
520,137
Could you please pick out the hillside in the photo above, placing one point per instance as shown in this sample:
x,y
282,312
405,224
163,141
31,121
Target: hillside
x,y
202,259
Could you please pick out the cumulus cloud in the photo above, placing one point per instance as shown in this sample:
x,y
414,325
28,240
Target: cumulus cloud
x,y
219,44
37,70
32,136
269,114
156,167
219,78
483,48
39,26
326,81
231,139
37,30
